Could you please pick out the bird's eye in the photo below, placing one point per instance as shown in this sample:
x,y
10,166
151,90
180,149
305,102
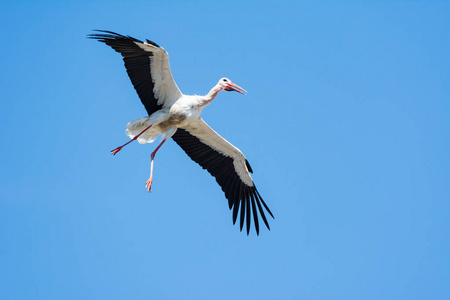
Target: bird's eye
x,y
225,80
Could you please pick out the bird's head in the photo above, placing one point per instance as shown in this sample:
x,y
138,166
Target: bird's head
x,y
228,86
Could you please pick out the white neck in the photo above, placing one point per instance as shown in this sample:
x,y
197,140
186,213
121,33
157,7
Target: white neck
x,y
211,95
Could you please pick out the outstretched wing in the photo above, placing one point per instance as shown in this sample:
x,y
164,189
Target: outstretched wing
x,y
147,66
228,165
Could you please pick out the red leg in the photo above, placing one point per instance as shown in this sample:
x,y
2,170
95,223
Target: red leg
x,y
114,152
148,184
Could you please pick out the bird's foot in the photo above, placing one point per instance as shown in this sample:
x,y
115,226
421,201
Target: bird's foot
x,y
148,184
114,152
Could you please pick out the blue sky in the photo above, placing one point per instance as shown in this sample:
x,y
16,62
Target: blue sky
x,y
346,125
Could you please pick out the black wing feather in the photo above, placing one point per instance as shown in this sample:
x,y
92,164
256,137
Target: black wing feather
x,y
255,213
243,206
137,63
261,211
247,201
222,168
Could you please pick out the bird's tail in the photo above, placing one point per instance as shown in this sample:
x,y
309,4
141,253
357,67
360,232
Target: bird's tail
x,y
137,126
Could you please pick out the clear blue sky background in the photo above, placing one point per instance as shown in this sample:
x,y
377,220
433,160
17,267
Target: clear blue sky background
x,y
346,124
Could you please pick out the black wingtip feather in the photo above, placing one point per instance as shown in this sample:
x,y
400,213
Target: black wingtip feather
x,y
265,205
255,213
247,201
241,194
153,43
248,166
261,211
235,199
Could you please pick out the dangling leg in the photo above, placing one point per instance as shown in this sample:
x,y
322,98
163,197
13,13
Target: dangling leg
x,y
148,184
114,152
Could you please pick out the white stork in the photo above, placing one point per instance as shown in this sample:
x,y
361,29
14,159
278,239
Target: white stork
x,y
173,114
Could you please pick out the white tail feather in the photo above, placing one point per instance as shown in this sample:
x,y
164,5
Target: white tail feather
x,y
137,126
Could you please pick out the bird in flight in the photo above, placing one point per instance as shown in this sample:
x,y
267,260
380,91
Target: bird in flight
x,y
175,115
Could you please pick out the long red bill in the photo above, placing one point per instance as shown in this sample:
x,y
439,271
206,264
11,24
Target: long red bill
x,y
234,87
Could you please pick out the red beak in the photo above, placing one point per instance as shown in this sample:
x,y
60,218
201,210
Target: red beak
x,y
234,87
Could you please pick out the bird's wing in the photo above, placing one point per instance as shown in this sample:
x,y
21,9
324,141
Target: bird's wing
x,y
147,66
228,165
